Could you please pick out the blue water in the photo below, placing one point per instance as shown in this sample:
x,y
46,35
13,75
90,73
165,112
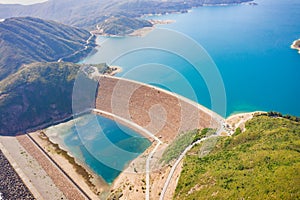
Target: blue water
x,y
250,46
103,145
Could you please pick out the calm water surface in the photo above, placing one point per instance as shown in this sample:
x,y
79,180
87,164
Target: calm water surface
x,y
103,145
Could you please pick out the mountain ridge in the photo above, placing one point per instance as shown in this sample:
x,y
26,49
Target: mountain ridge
x,y
24,40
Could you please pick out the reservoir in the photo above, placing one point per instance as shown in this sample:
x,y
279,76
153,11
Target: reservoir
x,y
99,143
250,46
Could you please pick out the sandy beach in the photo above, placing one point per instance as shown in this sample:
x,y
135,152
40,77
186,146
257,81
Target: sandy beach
x,y
142,32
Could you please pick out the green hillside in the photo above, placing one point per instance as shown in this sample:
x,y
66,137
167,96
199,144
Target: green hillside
x,y
261,163
27,40
122,25
37,94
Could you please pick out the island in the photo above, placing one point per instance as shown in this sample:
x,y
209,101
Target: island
x,y
296,45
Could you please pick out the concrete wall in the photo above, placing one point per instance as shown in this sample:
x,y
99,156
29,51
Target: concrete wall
x,y
161,112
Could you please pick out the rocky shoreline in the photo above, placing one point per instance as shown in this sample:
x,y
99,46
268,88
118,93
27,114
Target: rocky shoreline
x,y
296,45
11,185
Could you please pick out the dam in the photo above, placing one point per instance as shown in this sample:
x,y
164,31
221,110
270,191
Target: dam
x,y
157,114
163,113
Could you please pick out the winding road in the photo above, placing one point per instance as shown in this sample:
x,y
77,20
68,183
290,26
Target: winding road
x,y
167,183
88,41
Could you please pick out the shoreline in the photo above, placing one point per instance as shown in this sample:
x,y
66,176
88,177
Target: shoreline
x,y
144,31
296,45
139,32
239,120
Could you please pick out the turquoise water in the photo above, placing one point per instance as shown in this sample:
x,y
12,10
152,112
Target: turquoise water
x,y
250,46
103,145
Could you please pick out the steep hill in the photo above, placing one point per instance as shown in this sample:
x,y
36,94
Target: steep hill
x,y
122,25
261,163
37,94
27,40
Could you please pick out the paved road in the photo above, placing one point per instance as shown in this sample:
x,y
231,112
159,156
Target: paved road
x,y
148,171
88,41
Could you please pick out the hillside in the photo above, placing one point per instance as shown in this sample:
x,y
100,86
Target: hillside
x,y
89,13
37,94
261,163
27,40
121,25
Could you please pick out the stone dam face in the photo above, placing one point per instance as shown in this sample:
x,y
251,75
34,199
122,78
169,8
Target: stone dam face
x,y
163,113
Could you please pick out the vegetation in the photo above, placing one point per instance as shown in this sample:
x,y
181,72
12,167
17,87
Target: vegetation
x,y
122,25
201,134
278,114
174,150
261,163
27,40
37,94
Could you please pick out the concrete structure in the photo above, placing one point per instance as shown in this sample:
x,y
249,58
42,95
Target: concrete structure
x,y
161,112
